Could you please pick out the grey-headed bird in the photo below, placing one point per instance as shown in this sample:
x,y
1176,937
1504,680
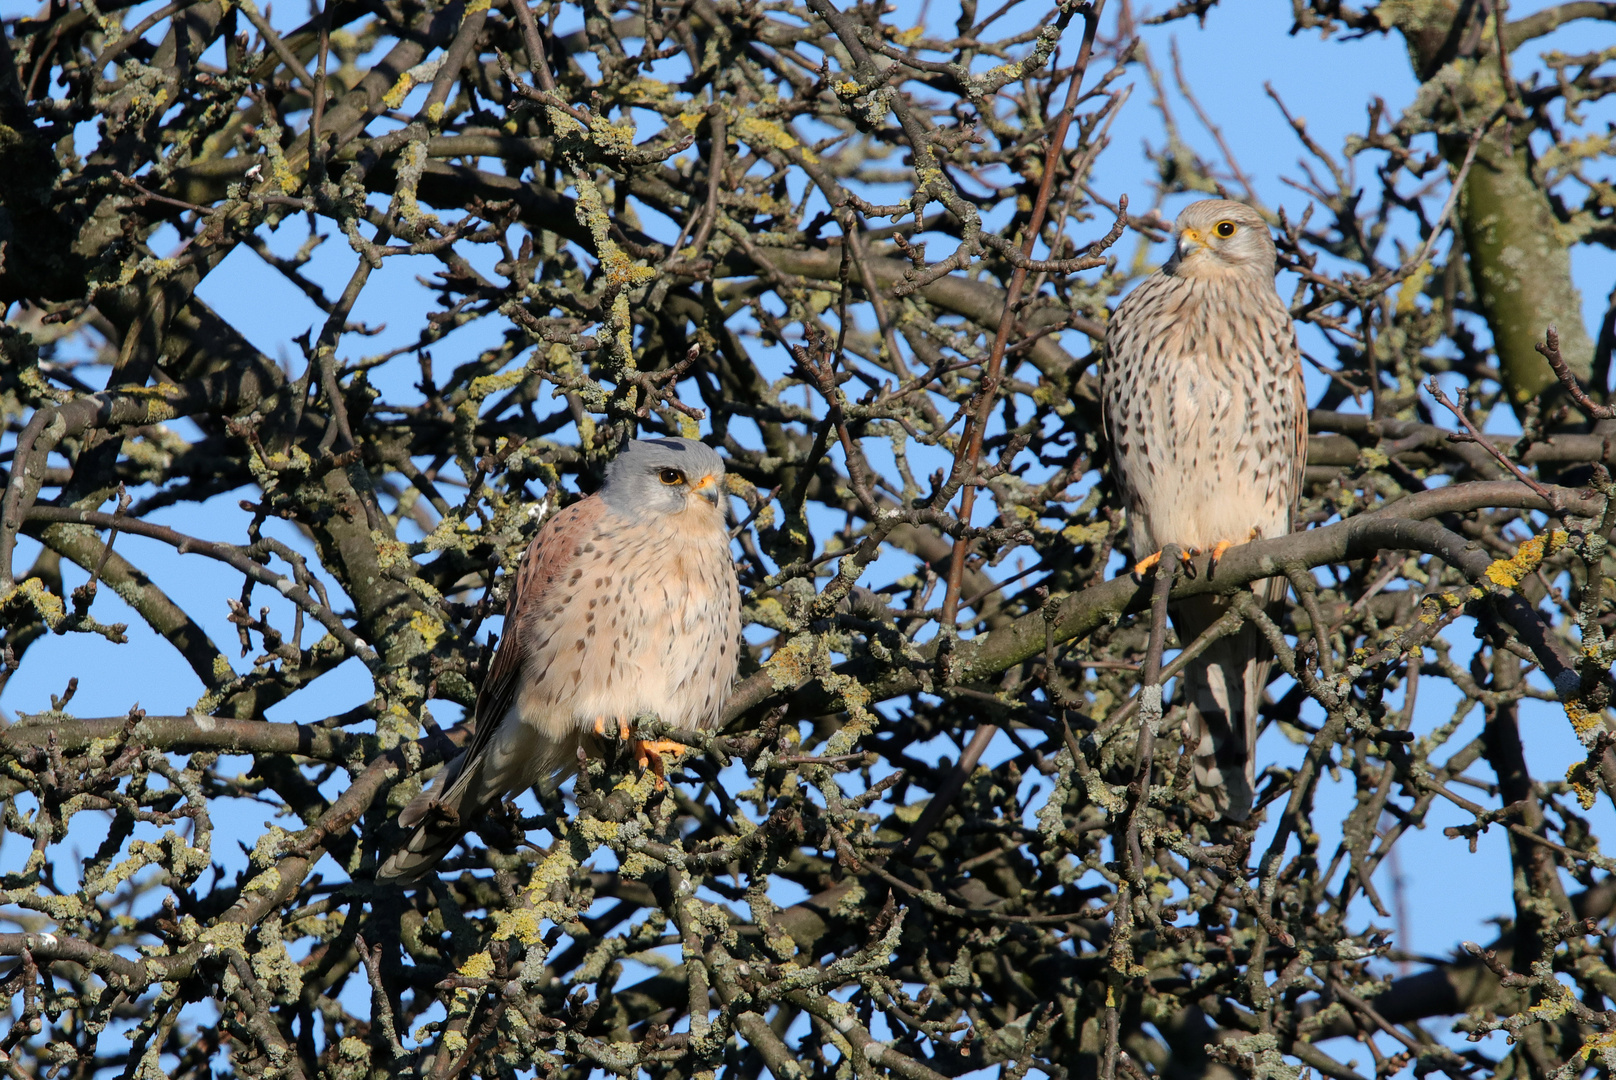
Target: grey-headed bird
x,y
626,603
1207,419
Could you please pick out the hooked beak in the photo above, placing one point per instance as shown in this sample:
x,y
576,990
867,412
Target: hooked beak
x,y
707,487
1189,241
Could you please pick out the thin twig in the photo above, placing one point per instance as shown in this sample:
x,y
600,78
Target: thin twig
x,y
1150,705
1448,204
1550,348
976,423
381,1005
226,553
948,789
1228,624
988,393
1556,504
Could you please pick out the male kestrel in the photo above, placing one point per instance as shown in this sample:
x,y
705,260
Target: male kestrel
x,y
626,603
1205,410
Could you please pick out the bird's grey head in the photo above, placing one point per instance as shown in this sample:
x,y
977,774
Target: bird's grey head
x,y
1215,236
664,476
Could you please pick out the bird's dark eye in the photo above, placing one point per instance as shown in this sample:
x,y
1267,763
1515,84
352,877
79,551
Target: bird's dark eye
x,y
671,476
1224,229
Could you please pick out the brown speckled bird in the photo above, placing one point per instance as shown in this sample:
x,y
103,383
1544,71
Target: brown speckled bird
x,y
626,603
1205,411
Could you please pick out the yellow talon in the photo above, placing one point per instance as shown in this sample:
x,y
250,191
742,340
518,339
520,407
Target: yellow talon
x,y
622,727
650,753
1218,550
1150,562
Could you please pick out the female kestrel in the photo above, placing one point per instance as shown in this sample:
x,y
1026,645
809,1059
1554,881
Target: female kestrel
x,y
626,603
1205,411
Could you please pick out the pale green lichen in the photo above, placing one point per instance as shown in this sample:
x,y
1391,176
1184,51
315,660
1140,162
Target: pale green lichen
x,y
353,1058
789,666
620,273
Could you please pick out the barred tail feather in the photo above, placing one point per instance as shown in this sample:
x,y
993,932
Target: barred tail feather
x,y
1223,691
514,757
440,816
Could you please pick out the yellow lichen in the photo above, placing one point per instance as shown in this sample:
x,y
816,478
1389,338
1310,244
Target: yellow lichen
x,y
429,627
33,592
424,589
478,966
1085,534
522,925
598,831
394,98
556,869
485,385
1412,287
267,882
281,169
637,866
1551,1008
646,88
760,132
1583,783
1604,1045
1509,573
1583,722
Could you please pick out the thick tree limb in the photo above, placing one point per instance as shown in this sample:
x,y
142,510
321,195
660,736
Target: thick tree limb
x,y
1400,526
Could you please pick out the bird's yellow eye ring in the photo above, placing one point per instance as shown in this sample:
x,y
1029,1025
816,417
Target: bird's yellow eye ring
x,y
1225,229
671,476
